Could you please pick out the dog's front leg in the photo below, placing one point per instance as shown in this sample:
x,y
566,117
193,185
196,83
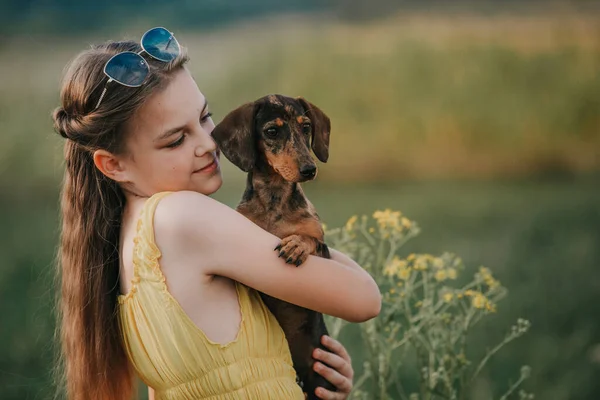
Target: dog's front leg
x,y
295,249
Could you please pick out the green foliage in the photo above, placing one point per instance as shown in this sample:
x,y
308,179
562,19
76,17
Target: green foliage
x,y
423,313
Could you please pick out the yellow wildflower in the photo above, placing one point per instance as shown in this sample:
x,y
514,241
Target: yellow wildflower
x,y
390,270
351,222
438,263
448,297
487,277
394,266
406,222
451,273
441,275
421,263
479,301
371,230
404,273
387,218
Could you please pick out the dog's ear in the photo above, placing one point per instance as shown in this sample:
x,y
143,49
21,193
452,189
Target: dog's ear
x,y
235,136
321,128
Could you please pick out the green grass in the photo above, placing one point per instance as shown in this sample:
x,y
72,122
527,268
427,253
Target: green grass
x,y
539,238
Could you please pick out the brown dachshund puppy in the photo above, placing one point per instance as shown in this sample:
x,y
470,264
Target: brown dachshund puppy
x,y
271,139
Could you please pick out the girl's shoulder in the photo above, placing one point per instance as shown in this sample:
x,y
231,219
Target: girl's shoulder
x,y
184,202
183,212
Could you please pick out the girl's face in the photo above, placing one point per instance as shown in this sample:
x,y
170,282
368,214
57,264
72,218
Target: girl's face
x,y
169,146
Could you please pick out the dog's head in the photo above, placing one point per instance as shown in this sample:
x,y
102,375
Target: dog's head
x,y
276,130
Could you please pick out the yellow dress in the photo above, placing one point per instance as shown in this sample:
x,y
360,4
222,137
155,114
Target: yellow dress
x,y
173,356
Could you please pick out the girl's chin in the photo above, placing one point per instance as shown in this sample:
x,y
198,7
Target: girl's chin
x,y
211,186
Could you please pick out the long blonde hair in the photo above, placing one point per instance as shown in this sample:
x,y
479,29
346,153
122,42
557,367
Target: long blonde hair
x,y
93,362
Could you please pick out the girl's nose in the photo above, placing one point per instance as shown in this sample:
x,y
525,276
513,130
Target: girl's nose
x,y
206,144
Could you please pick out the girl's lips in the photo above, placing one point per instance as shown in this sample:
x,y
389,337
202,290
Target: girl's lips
x,y
209,168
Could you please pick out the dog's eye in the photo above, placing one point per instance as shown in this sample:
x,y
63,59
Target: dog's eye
x,y
271,132
306,128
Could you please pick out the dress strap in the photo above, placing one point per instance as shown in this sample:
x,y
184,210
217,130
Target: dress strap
x,y
146,252
146,222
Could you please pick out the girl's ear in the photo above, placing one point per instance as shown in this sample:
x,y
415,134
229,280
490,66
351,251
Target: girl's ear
x,y
110,165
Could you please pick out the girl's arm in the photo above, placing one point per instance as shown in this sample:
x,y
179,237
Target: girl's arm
x,y
344,259
150,393
217,240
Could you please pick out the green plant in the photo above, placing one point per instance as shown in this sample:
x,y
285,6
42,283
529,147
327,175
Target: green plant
x,y
425,314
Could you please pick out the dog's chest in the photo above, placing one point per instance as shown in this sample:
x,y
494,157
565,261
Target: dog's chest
x,y
281,221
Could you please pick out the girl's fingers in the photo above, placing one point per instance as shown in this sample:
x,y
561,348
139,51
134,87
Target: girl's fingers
x,y
329,395
342,383
338,370
331,359
335,347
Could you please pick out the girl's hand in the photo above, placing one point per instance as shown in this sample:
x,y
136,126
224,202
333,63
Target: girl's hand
x,y
340,374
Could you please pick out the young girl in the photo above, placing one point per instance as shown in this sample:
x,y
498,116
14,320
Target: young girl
x,y
157,277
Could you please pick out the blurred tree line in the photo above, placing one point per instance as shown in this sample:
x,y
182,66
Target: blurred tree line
x,y
69,16
66,16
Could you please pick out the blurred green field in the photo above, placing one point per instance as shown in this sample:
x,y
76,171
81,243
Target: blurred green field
x,y
420,95
540,239
483,129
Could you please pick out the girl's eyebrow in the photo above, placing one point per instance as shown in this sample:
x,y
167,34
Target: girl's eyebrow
x,y
173,131
168,133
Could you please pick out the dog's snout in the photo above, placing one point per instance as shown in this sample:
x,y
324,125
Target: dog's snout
x,y
308,171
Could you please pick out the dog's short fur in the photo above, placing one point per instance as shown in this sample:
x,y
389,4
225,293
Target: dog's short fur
x,y
271,139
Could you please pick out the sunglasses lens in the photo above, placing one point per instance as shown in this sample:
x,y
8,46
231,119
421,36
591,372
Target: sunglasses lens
x,y
160,44
127,68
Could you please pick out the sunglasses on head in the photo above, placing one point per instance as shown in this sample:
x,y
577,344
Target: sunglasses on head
x,y
131,69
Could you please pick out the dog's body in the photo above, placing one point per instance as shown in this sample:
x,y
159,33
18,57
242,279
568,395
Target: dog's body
x,y
269,139
289,216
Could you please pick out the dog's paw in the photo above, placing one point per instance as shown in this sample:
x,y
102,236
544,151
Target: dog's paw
x,y
295,249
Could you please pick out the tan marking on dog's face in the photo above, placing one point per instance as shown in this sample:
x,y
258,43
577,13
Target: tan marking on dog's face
x,y
300,120
285,163
279,122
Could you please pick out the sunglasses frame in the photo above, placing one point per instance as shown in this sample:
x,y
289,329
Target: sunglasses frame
x,y
111,79
172,37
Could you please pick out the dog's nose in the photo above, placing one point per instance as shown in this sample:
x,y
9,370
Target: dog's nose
x,y
308,171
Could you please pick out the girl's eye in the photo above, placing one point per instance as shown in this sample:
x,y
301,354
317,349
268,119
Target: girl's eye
x,y
306,128
176,143
271,132
205,117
